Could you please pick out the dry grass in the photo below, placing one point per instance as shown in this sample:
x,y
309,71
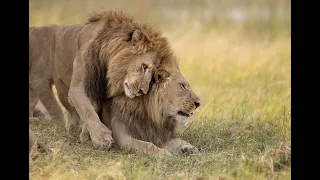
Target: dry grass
x,y
242,127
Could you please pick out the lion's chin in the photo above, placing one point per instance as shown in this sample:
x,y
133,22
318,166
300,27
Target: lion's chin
x,y
181,120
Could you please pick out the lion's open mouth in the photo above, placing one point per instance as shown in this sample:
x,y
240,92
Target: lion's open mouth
x,y
183,114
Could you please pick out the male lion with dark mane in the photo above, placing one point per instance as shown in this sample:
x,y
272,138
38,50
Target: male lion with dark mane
x,y
109,55
147,124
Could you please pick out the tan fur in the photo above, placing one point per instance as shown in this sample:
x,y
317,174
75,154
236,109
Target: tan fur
x,y
109,55
40,73
147,124
40,111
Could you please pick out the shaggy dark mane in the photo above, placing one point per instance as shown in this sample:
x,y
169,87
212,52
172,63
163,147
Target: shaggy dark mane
x,y
104,76
95,80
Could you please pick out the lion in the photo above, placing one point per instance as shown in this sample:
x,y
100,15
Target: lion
x,y
40,111
109,55
147,124
40,73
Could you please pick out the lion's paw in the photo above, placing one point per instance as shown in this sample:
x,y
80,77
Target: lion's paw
x,y
101,137
189,149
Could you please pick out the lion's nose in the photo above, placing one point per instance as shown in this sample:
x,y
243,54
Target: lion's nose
x,y
197,104
141,92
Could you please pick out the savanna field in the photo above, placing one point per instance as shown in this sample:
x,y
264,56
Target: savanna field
x,y
241,70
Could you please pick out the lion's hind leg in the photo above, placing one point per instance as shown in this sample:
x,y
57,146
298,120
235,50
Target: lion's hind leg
x,y
40,111
46,96
84,135
73,119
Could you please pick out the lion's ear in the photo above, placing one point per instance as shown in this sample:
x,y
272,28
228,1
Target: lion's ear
x,y
161,75
135,36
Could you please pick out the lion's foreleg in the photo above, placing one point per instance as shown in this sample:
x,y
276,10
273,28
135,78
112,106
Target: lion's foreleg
x,y
99,133
177,147
124,140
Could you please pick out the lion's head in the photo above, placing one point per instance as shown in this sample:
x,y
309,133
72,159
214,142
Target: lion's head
x,y
171,97
125,51
139,74
154,116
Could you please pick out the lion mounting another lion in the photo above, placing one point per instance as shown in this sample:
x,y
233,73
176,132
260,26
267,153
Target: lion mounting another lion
x,y
147,124
112,57
110,54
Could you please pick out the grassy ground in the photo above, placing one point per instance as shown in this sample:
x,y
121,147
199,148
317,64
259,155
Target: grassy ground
x,y
242,127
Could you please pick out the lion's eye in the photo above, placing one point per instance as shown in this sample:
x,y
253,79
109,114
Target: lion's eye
x,y
183,86
144,67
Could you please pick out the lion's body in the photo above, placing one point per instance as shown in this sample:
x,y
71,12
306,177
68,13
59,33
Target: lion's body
x,y
41,46
52,49
147,124
90,62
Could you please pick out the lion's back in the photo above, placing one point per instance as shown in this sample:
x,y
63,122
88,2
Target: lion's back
x,y
65,50
41,44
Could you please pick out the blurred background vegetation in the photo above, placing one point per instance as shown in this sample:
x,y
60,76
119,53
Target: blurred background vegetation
x,y
253,16
235,55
